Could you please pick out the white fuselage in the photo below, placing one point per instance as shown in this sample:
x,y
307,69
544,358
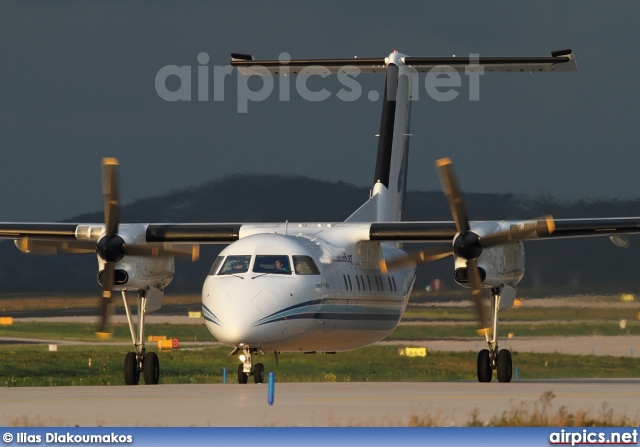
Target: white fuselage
x,y
343,303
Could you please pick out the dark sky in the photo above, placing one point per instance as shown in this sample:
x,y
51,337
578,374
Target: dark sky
x,y
77,83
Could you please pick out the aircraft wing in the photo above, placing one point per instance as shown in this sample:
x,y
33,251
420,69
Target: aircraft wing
x,y
78,238
49,231
418,231
82,237
445,231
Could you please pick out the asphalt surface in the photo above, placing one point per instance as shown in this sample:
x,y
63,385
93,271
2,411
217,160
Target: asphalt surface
x,y
313,404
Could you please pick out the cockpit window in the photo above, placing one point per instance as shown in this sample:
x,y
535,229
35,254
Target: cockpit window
x,y
278,264
235,264
216,265
304,265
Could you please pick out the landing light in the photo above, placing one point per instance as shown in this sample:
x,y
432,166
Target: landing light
x,y
242,358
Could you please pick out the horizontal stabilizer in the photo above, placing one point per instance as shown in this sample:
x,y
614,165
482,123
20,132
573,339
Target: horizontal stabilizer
x,y
559,61
308,66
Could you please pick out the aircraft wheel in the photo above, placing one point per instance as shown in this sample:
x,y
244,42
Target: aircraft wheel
x,y
484,366
151,369
131,373
258,373
504,365
242,376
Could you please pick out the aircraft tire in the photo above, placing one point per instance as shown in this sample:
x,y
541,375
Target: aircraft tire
x,y
504,365
151,369
484,366
258,373
131,373
242,376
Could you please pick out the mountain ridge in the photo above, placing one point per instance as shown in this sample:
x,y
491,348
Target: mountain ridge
x,y
575,265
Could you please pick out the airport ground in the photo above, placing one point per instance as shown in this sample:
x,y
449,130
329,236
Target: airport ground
x,y
324,404
341,403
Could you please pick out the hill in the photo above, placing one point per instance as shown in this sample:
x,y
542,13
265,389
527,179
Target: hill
x,y
586,265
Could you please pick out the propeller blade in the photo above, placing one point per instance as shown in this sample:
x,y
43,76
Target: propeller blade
x,y
453,194
27,245
475,281
417,258
108,279
542,226
187,251
111,195
545,226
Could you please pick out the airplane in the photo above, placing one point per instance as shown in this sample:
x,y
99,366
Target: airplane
x,y
320,287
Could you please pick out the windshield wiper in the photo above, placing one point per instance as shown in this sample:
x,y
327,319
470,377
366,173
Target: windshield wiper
x,y
233,274
262,274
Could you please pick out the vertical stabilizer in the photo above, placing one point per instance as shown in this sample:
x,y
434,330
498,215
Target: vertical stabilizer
x,y
390,181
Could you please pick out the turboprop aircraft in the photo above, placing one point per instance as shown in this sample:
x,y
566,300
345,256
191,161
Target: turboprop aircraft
x,y
319,286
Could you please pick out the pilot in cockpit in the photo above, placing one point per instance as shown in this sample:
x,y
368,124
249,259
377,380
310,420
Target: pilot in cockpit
x,y
279,267
239,265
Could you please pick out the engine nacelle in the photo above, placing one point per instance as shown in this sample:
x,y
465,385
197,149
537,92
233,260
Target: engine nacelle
x,y
139,272
499,265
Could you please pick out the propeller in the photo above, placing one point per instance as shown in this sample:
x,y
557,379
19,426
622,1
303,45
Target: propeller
x,y
467,244
112,248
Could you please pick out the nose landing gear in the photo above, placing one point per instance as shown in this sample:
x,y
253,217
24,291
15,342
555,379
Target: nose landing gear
x,y
246,368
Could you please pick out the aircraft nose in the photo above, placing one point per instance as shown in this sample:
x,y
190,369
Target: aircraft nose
x,y
238,311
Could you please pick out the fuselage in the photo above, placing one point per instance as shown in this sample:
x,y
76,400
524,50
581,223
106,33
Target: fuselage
x,y
316,290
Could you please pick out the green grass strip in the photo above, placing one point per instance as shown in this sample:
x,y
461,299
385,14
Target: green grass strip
x,y
69,366
468,330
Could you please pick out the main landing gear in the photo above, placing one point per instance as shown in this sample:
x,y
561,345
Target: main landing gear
x,y
246,369
492,358
139,361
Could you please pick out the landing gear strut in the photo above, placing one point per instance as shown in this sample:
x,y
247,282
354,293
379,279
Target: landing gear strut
x,y
246,369
139,361
493,358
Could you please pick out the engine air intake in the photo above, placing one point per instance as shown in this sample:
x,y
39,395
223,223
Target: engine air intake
x,y
462,276
121,277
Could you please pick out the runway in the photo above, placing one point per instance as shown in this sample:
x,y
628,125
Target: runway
x,y
310,404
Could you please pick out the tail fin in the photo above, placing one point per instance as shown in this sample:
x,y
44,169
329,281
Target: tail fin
x,y
390,181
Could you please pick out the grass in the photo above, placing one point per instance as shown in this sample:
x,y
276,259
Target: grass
x,y
468,330
195,332
31,302
199,332
28,365
86,331
540,414
557,314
